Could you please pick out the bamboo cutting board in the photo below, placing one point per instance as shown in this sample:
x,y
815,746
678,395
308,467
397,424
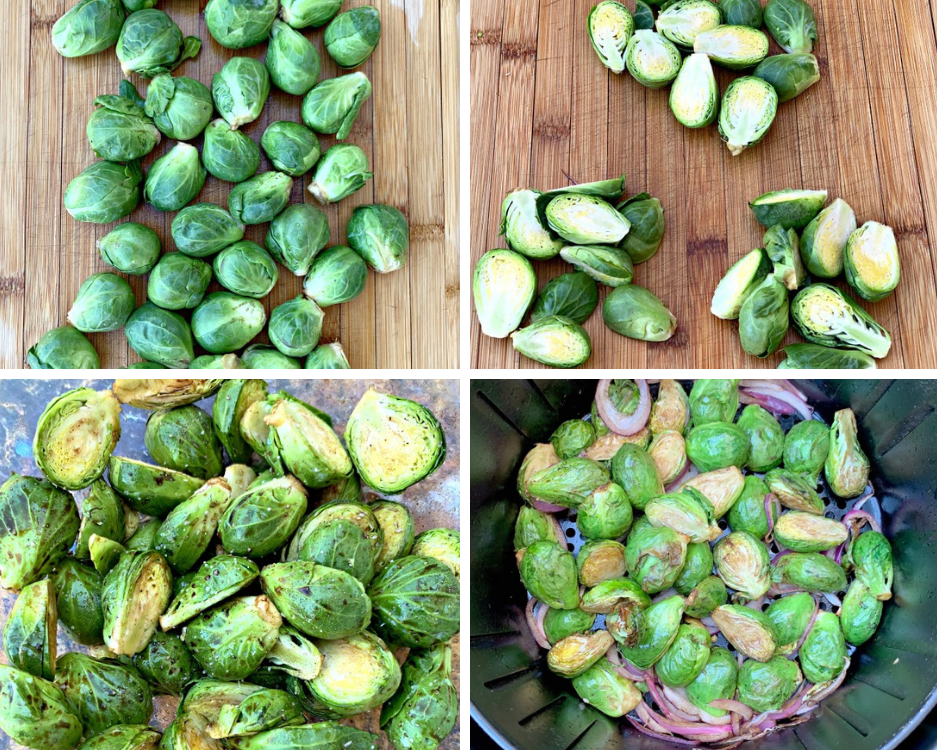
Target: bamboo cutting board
x,y
546,112
408,129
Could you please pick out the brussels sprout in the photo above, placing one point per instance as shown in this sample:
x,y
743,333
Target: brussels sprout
x,y
186,532
224,322
296,236
794,491
166,663
748,631
572,437
661,625
248,710
766,686
302,13
103,192
652,59
846,468
532,525
34,712
549,573
504,286
175,179
163,393
131,248
150,489
670,411
655,557
696,568
204,229
441,544
609,595
338,275
296,326
396,522
151,44
694,98
291,147
683,20
747,112
805,532
292,61
393,442
790,75
188,732
540,457
610,25
686,656
645,214
604,688
781,248
239,478
378,233
871,261
791,23
600,560
823,653
860,613
240,90
217,579
810,572
787,208
342,170
742,13
316,736
105,554
143,537
721,488
262,519
733,47
246,269
825,239
567,483
78,591
743,564
178,282
765,438
637,313
712,446
181,107
229,155
134,595
575,654
261,198
351,36
871,556
827,316
584,219
610,189
738,283
103,303
295,654
685,512
560,623
748,511
102,514
182,438
810,356
610,266
643,17
29,636
806,447
605,512
217,362
716,681
791,616
119,130
333,105
123,738
90,26
626,620
303,547
522,225
708,595
713,400
104,693
240,23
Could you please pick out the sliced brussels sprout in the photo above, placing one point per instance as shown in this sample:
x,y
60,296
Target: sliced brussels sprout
x,y
789,208
610,266
29,636
295,654
143,537
178,282
102,514
685,512
78,590
781,246
825,315
342,170
604,688
610,25
539,457
712,446
871,261
698,567
175,179
262,519
217,579
566,483
720,487
550,574
790,74
90,26
150,489
749,631
151,43
683,20
766,686
610,189
398,527
743,564
606,512
104,192
713,400
871,556
585,219
291,147
522,223
416,601
806,446
532,525
120,130
240,90
598,561
609,594
134,595
652,59
643,17
181,107
742,13
748,511
229,154
182,438
504,286
765,437
166,663
823,654
805,532
333,105
661,625
791,616
35,712
572,437
645,214
810,572
188,732
249,710
186,532
151,394
351,36
860,613
297,236
572,295
655,556
575,654
303,546
791,23
825,239
794,491
131,248
733,47
240,23
764,318
123,738
292,61
554,341
747,113
670,411
708,595
668,450
738,283
636,471
694,97
316,736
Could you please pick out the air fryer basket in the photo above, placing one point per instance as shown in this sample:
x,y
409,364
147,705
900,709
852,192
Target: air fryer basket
x,y
891,684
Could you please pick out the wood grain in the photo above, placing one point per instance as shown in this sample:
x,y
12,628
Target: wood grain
x,y
545,112
409,130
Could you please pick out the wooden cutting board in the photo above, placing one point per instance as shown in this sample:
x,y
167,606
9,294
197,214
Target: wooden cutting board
x,y
404,319
545,111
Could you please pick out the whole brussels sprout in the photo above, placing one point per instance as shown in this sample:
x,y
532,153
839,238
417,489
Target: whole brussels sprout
x,y
217,579
789,74
572,437
301,13
560,623
792,24
181,107
151,43
38,525
292,61
825,239
610,26
549,573
261,198
569,482
351,36
846,468
555,341
637,313
342,170
794,492
694,97
441,544
103,693
686,656
585,219
204,229
825,315
708,595
120,130
575,654
315,736
123,738
296,237
261,357
504,285
229,154
766,686
810,572
378,233
652,59
291,147
655,557
823,653
131,248
338,275
871,556
749,631
748,512
765,438
733,47
416,601
262,519
303,547
358,673
134,595
747,112
186,532
860,613
178,282
763,319
225,322
166,663
687,512
610,266
791,616
743,564
150,489
34,712
696,568
806,446
683,20
29,636
102,514
104,192
90,26
182,438
716,681
645,214
296,326
742,13
246,269
720,487
738,283
600,560
604,688
175,179
712,446
805,532
572,296
661,625
240,90
240,23
103,303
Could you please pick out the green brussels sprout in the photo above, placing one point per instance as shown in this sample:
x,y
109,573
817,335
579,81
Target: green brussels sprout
x,y
790,75
572,437
308,446
103,303
716,681
186,532
655,557
134,595
610,266
181,107
217,362
846,468
598,561
204,229
123,738
187,732
135,5
166,663
231,640
721,488
425,707
742,13
584,219
827,316
351,36
504,286
569,482
246,269
766,686
733,47
292,61
643,17
652,59
624,602
333,105
178,282
686,656
342,170
539,457
378,233
393,442
216,579
131,248
228,709
806,447
670,411
823,653
748,511
747,112
240,90
102,514
549,573
532,525
606,512
341,544
29,636
150,489
229,155
794,491
806,532
104,192
712,446
295,655
637,313
708,595
871,556
104,553
175,179
604,688
263,518
694,97
748,631
696,568
765,438
661,625
790,616
575,654
683,20
738,283
441,544
182,438
301,13
743,564
645,214
302,546
296,326
560,623
316,736
261,198
824,239
78,590
713,400
610,25
119,130
34,712
291,147
781,246
339,274
296,236
788,208
572,296
240,23
809,572
90,26
145,366
523,227
143,537
811,356
224,322
416,601
687,512
791,23
860,613
261,357
871,261
151,43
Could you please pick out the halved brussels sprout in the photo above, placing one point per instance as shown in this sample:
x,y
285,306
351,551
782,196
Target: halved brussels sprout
x,y
604,688
397,524
231,403
871,557
217,579
764,318
292,61
178,282
154,394
35,713
102,514
610,25
747,113
712,446
572,437
794,491
685,512
610,266
733,47
791,616
636,471
643,17
825,239
166,663
720,487
567,483
749,631
605,448
188,732
151,43
182,438
708,595
766,686
123,738
781,245
539,457
351,36
860,614
522,223
805,532
789,208
738,283
765,438
240,23
637,313
186,532
358,673
104,192
104,693
295,654
79,601
871,261
585,219
694,98
655,556
609,594
342,171
790,74
263,518
670,411
150,489
229,154
90,26
792,24
333,105
744,564
532,525
134,595
316,736
181,107
549,572
240,709
716,681
713,400
661,625
175,179
652,59
572,296
683,20
600,560
575,654
742,13
645,214
131,248
748,511
827,316
824,652
240,90
555,341
810,572
686,657
29,636
120,130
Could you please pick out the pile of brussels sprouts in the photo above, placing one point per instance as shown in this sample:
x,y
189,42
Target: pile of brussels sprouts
x,y
756,289
650,38
713,598
125,128
240,570
603,238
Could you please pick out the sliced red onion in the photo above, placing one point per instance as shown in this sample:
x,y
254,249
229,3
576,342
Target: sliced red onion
x,y
769,513
794,703
756,605
773,385
736,723
817,693
614,658
730,704
656,690
694,730
709,624
559,532
810,624
677,697
666,738
535,625
780,402
635,673
625,425
664,595
861,514
548,508
776,557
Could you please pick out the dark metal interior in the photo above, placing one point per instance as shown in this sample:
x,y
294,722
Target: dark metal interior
x,y
891,685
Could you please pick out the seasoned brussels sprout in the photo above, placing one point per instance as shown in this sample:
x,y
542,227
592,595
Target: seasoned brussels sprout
x,y
34,712
805,532
806,447
103,303
610,25
178,282
572,437
150,489
860,613
560,623
575,654
120,130
661,625
790,74
186,532
871,556
606,512
181,107
303,546
683,20
90,26
686,656
241,709
825,239
416,601
182,438
781,246
655,557
697,567
398,527
327,357
102,514
790,616
204,229
708,595
29,636
297,235
246,269
637,313
351,36
610,266
301,13
810,572
742,13
379,233
240,90
712,446
794,491
103,192
827,316
104,554
687,512
747,112
338,275
733,47
645,214
504,286
342,171
123,738
540,457
188,732
228,154
871,261
713,400
224,322
721,488
846,468
240,23
151,394
550,574
788,208
652,59
316,736
748,511
151,43
134,595
166,663
131,248
738,283
143,537
694,98
262,519
600,560
716,681
291,147
103,693
670,411
791,23
261,198
217,579
292,61
604,688
523,227
532,525
749,631
743,564
175,179
79,601
441,544
358,673
296,326
295,654
333,105
824,652
765,438
766,686
567,483
585,219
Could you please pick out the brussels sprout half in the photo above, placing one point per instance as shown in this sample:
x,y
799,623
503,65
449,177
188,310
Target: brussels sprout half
x,y
733,47
637,313
825,238
792,24
683,20
826,316
747,113
610,25
694,97
652,59
738,283
790,208
504,286
554,341
790,74
871,261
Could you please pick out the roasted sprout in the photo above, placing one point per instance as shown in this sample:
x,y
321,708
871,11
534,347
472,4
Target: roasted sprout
x,y
572,437
606,512
823,653
262,519
805,532
152,490
103,693
655,556
575,654
186,532
765,438
721,488
102,514
806,447
871,557
29,636
794,491
686,657
749,631
670,411
748,511
686,512
766,686
166,663
860,614
743,564
791,615
810,572
34,712
134,594
550,574
78,590
182,438
604,688
716,681
661,625
600,560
